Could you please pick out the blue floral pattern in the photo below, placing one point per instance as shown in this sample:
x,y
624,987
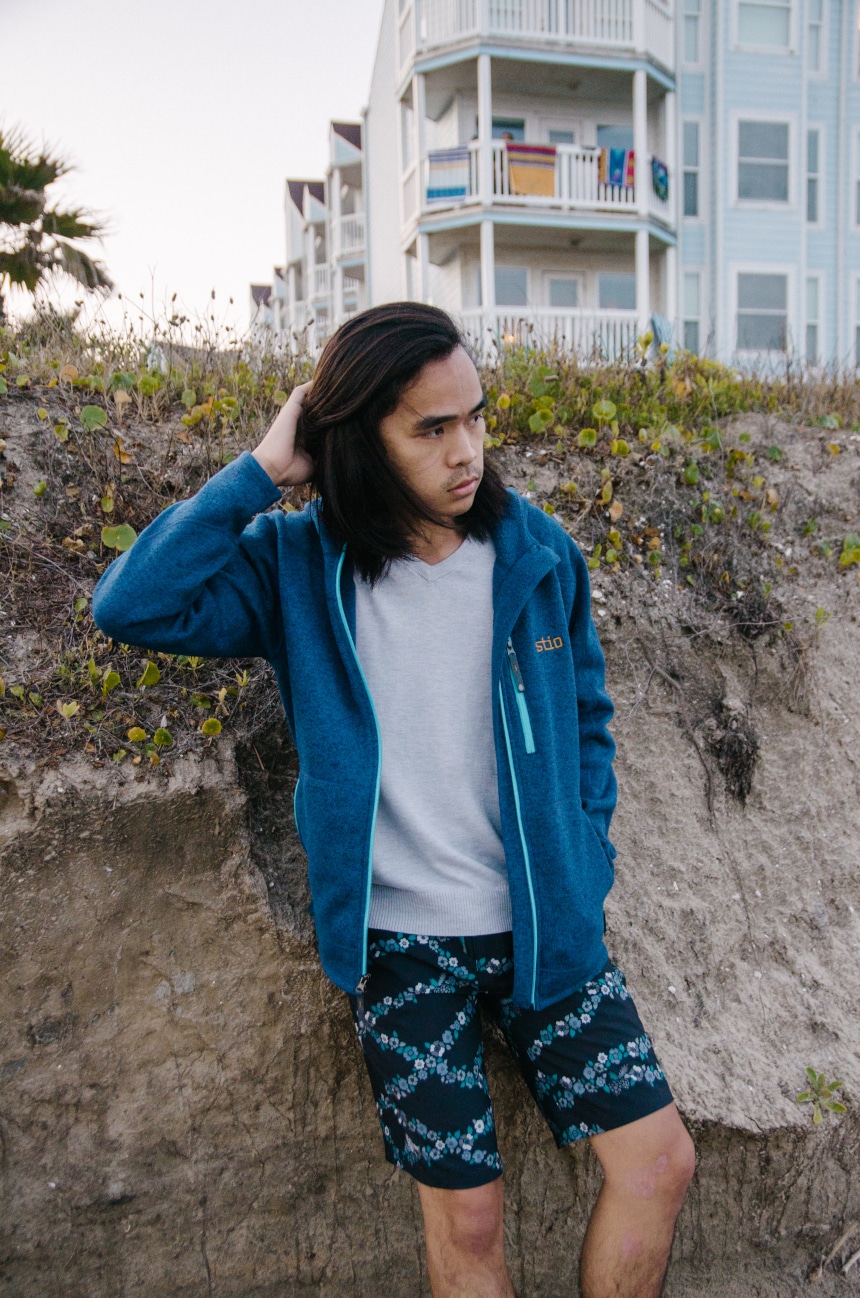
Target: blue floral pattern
x,y
587,1060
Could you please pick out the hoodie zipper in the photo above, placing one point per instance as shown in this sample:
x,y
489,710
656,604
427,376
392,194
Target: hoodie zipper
x,y
520,695
362,982
526,858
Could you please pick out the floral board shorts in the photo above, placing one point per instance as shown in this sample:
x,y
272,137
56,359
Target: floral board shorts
x,y
586,1060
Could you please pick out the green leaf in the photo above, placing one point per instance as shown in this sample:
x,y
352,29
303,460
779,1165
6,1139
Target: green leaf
x,y
119,754
774,453
588,437
812,1075
150,676
61,431
110,681
162,737
40,488
22,381
35,698
3,387
81,603
835,1106
119,538
691,473
620,447
93,417
805,1096
604,411
41,412
211,726
817,1115
189,398
137,735
280,397
93,672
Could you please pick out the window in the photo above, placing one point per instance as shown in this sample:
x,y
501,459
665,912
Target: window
x,y
616,291
509,128
691,168
692,10
692,310
615,137
763,161
560,137
814,34
762,313
812,318
765,23
812,142
563,291
511,286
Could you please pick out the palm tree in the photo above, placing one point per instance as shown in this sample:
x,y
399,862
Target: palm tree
x,y
37,242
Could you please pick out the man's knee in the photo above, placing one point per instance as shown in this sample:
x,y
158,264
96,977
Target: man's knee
x,y
470,1220
653,1160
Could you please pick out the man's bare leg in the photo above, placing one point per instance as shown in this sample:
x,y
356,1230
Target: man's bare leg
x,y
647,1167
464,1230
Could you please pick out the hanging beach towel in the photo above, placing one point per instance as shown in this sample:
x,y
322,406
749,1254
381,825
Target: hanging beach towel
x,y
531,168
449,174
660,179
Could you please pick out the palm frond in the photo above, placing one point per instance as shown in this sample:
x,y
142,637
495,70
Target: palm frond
x,y
75,262
20,206
24,265
22,166
68,225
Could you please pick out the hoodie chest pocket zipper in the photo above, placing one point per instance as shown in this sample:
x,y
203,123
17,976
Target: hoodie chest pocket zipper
x,y
520,696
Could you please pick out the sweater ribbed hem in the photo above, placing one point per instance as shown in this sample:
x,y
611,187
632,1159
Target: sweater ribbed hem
x,y
442,913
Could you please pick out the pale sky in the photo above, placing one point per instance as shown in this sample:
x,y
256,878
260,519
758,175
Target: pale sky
x,y
183,119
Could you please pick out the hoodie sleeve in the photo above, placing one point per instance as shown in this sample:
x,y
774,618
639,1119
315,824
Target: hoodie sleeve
x,y
598,786
202,577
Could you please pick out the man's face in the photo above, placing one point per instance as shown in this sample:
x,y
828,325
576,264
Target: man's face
x,y
435,437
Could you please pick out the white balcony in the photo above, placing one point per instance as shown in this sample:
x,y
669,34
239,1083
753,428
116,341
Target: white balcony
x,y
610,26
581,181
349,234
321,281
590,334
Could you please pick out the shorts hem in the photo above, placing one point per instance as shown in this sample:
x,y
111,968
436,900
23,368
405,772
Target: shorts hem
x,y
658,1100
468,1179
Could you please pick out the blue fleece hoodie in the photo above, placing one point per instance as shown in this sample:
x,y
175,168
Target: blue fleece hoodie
x,y
215,576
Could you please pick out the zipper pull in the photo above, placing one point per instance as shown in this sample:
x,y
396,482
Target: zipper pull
x,y
515,668
359,991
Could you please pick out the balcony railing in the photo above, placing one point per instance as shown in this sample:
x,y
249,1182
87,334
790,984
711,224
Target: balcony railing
x,y
594,334
349,233
580,179
321,281
641,26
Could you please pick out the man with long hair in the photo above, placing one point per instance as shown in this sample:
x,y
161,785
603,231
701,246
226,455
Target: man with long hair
x,y
443,682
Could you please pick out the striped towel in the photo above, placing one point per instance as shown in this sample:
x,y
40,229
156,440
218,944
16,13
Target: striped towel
x,y
621,167
449,174
531,168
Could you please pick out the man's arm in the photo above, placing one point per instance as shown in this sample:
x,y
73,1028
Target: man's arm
x,y
202,578
598,786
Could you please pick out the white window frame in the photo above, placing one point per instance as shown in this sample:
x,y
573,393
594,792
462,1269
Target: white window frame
x,y
775,51
684,17
513,306
699,169
791,313
571,275
685,318
820,73
819,127
818,322
574,124
763,204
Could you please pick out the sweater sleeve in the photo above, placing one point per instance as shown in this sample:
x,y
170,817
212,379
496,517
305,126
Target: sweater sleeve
x,y
202,577
598,786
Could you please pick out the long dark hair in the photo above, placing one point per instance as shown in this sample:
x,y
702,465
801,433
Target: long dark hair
x,y
364,369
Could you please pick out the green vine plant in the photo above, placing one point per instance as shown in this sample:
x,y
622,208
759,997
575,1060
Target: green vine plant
x,y
820,1096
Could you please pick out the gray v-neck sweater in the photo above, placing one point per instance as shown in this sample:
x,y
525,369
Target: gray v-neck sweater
x,y
423,636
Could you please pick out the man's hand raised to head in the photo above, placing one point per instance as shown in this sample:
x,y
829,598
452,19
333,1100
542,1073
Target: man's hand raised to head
x,y
286,464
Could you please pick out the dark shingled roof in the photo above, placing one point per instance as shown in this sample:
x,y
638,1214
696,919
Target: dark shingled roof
x,y
261,293
350,131
297,191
